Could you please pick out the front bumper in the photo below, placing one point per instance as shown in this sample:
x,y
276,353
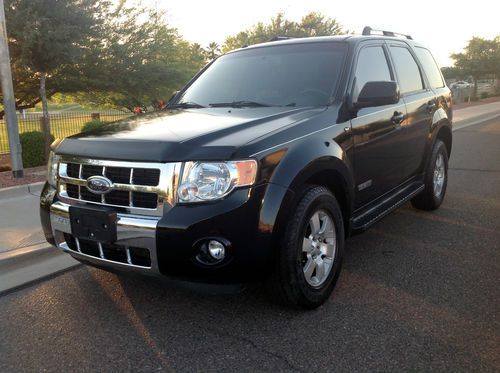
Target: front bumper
x,y
171,239
132,232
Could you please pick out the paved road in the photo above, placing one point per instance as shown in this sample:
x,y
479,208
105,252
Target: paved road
x,y
26,216
419,291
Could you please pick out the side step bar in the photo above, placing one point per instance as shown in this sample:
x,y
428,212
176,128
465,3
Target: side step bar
x,y
366,218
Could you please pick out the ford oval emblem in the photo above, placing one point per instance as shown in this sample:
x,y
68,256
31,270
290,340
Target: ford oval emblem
x,y
99,184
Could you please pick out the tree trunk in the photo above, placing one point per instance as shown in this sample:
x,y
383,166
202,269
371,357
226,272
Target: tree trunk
x,y
45,115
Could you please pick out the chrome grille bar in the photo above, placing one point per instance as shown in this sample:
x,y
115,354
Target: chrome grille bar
x,y
142,199
101,253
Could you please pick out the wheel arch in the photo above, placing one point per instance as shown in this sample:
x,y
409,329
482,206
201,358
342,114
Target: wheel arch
x,y
444,134
327,171
441,129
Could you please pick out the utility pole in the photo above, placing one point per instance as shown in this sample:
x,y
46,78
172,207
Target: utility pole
x,y
9,102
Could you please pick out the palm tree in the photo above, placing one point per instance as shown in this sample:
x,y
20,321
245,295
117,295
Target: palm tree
x,y
212,51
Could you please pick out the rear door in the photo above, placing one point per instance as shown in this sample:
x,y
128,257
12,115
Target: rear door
x,y
376,130
420,103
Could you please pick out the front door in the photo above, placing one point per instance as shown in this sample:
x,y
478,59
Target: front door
x,y
378,146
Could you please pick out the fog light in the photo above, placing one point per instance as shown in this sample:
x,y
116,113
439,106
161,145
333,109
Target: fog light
x,y
216,250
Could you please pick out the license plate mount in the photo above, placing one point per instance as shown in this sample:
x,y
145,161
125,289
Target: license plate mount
x,y
93,223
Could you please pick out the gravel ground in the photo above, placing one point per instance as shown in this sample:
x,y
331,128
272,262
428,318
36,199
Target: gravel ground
x,y
31,175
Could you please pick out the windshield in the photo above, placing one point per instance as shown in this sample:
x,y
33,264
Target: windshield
x,y
283,75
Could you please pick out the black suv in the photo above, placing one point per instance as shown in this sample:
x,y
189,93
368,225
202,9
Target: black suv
x,y
260,166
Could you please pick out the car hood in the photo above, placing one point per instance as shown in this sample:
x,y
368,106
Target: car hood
x,y
181,135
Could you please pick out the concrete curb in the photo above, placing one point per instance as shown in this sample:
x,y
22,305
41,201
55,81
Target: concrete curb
x,y
28,265
14,256
20,190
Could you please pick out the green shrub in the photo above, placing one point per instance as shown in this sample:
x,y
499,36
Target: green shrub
x,y
92,125
484,95
33,146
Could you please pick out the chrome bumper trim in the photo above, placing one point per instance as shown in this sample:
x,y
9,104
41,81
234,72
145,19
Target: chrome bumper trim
x,y
132,230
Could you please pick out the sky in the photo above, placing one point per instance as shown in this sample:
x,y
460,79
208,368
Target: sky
x,y
443,26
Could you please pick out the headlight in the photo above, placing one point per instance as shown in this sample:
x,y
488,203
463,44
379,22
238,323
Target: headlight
x,y
208,181
53,168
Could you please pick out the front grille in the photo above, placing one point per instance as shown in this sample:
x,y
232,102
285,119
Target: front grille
x,y
147,200
118,197
135,187
73,170
144,176
122,175
87,195
137,256
89,170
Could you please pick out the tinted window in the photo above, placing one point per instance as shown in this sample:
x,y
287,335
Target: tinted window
x,y
430,67
296,75
372,66
407,70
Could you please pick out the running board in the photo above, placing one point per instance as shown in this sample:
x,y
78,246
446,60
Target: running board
x,y
369,217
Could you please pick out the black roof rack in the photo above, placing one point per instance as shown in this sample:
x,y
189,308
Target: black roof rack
x,y
278,38
368,31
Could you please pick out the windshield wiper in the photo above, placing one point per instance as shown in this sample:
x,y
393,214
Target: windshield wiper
x,y
237,104
186,105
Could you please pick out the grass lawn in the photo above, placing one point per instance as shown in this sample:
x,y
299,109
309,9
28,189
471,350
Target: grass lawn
x,y
62,125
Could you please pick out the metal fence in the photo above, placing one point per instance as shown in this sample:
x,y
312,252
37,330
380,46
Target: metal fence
x,y
62,124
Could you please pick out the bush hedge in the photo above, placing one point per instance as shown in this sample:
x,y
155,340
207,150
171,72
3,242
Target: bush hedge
x,y
92,125
33,146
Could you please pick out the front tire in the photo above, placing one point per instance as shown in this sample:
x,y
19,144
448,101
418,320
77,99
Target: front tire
x,y
435,179
311,252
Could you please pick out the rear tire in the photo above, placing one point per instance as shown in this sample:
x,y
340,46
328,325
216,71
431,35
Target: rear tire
x,y
435,179
311,252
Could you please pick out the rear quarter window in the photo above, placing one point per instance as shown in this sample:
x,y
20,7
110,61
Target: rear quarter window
x,y
430,67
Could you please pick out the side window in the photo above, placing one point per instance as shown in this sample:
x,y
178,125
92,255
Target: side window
x,y
372,66
407,70
430,67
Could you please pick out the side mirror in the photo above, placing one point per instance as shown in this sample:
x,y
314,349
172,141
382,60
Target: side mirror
x,y
378,94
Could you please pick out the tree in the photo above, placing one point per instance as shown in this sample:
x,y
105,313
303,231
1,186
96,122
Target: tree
x,y
123,56
452,72
44,37
312,24
140,62
481,58
212,51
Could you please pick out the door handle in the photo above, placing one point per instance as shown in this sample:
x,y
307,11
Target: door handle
x,y
431,106
397,118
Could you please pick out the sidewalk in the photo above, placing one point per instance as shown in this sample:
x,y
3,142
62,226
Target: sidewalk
x,y
19,217
25,256
476,113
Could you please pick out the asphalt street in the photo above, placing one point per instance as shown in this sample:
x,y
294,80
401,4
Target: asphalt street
x,y
419,291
